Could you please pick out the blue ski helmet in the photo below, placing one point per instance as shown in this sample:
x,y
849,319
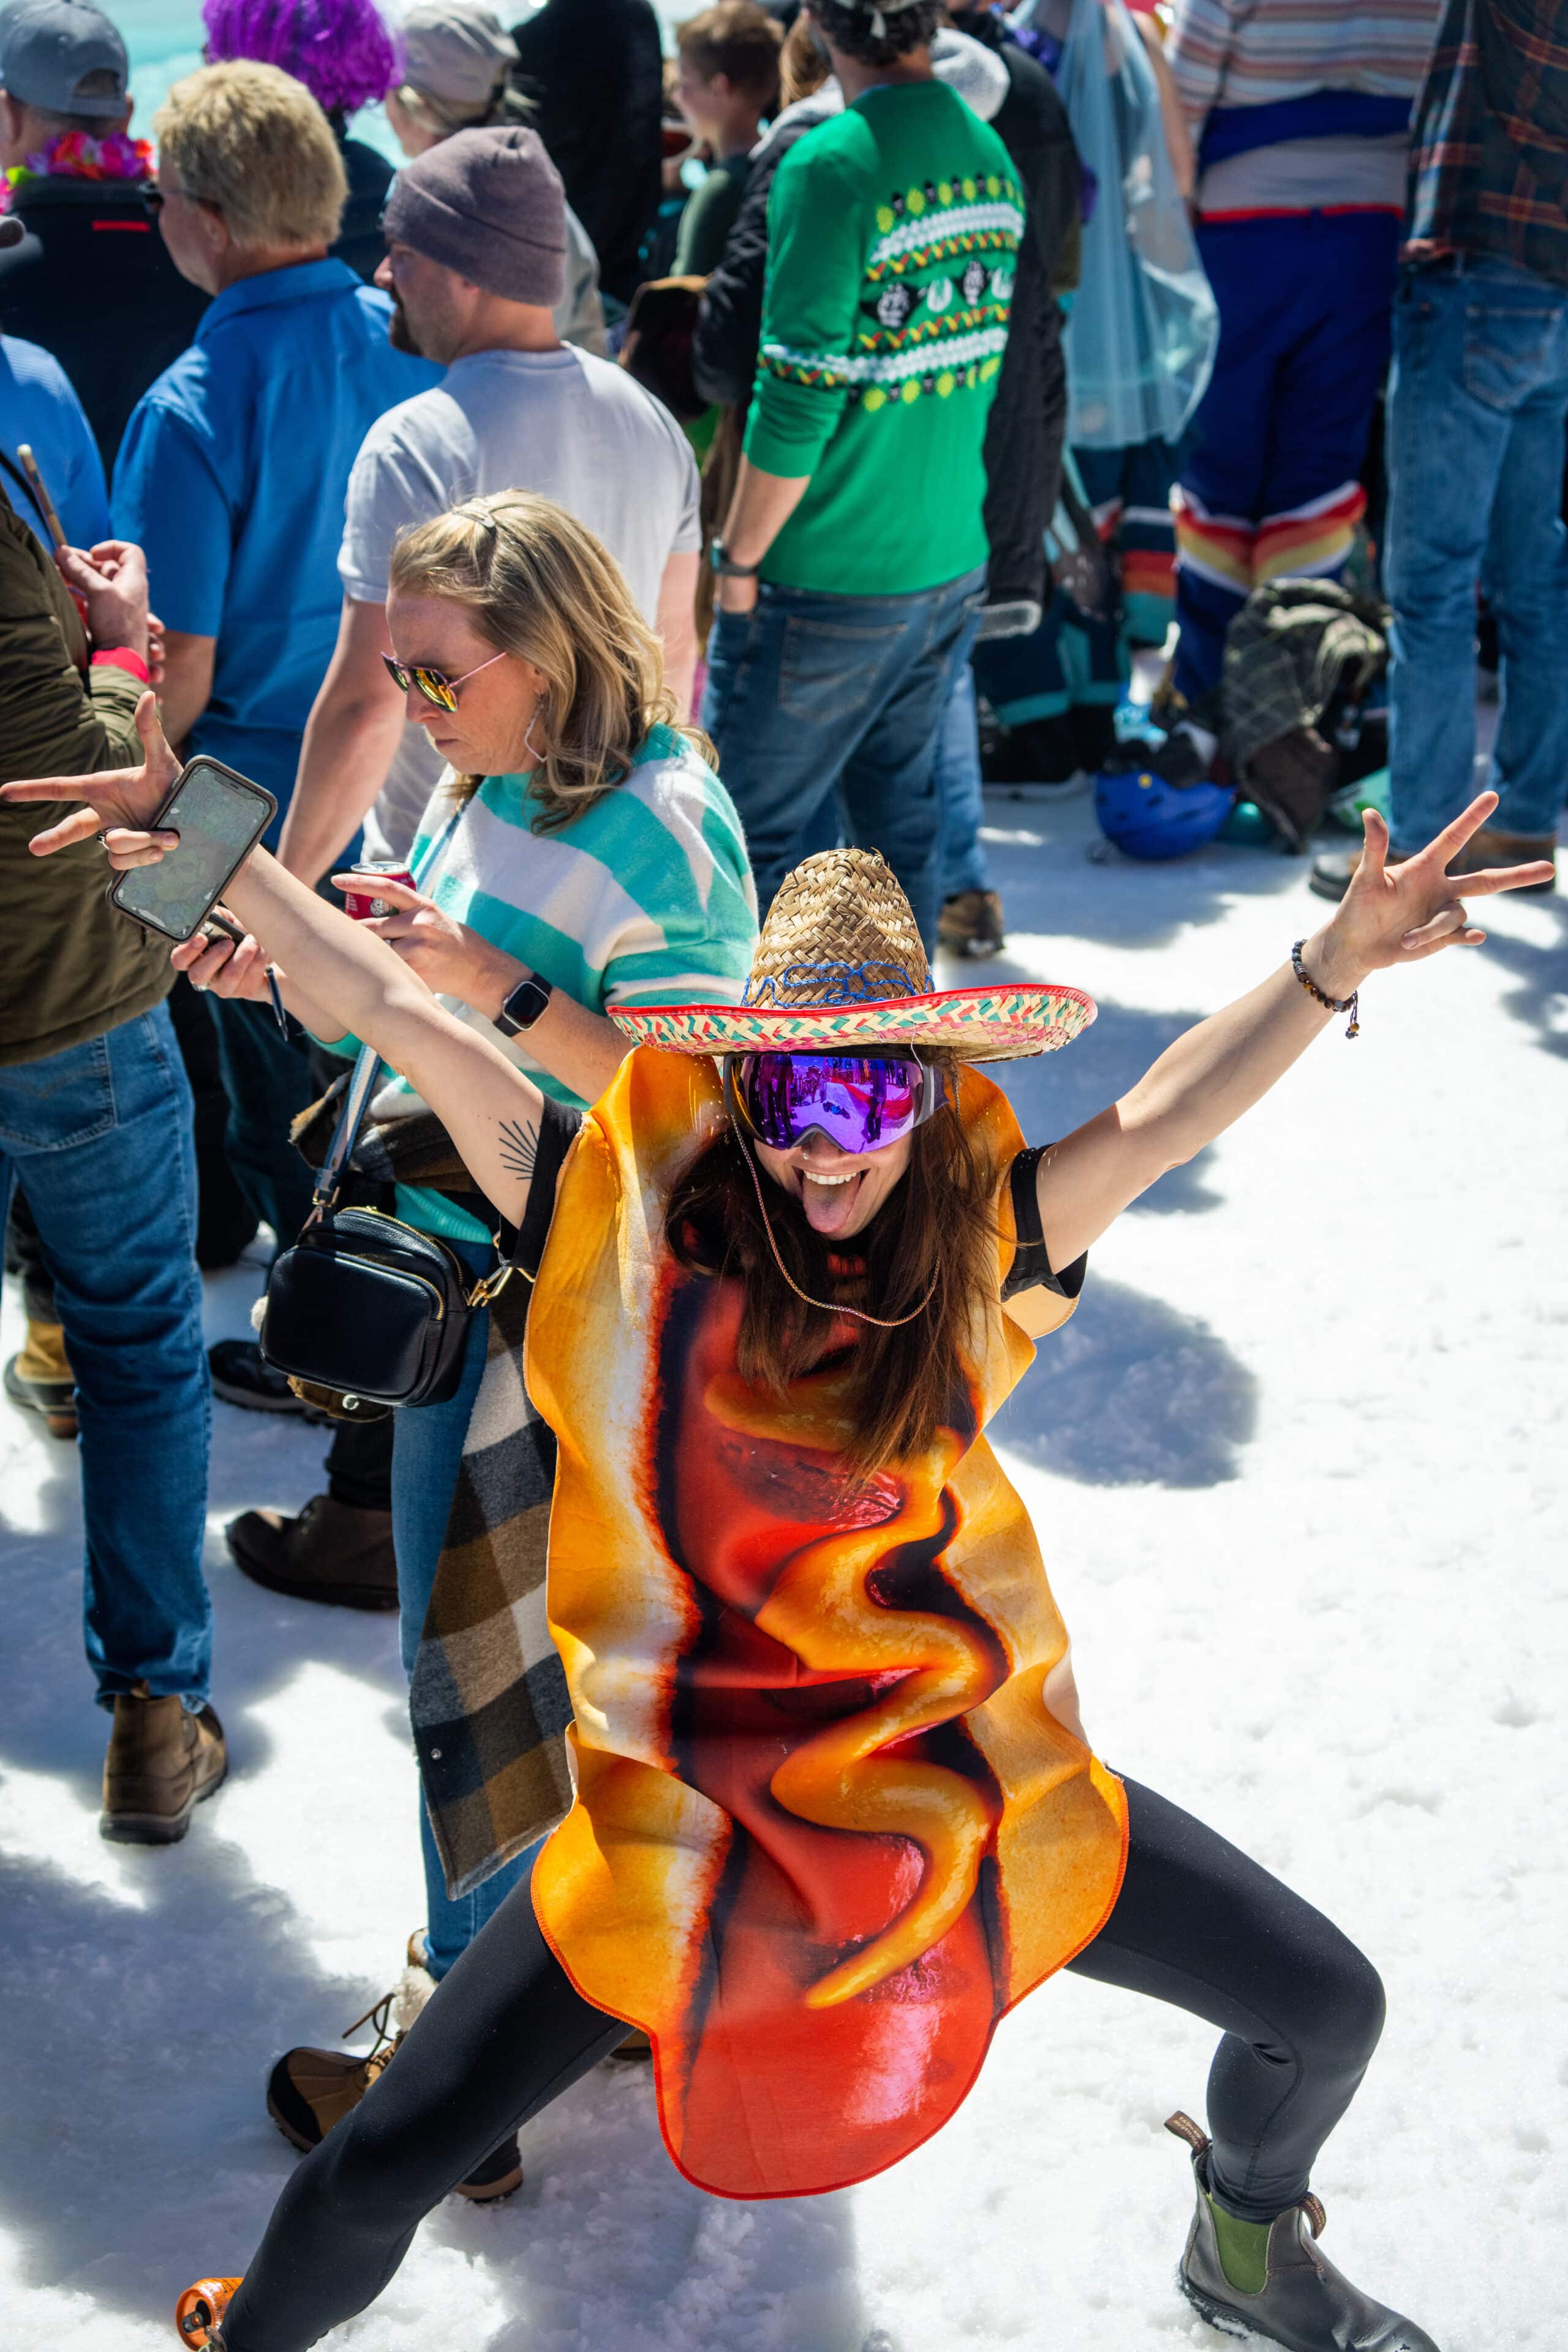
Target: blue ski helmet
x,y
1148,817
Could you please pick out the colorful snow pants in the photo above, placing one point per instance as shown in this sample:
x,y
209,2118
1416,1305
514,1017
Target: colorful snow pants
x,y
1271,484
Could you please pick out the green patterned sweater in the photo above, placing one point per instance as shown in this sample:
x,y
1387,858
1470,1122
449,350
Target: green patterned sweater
x,y
893,233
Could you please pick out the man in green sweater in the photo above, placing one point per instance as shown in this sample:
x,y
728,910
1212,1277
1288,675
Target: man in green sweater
x,y
852,560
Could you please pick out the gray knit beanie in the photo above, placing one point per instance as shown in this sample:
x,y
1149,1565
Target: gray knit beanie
x,y
490,205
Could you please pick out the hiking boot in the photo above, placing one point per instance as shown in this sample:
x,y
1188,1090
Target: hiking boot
x,y
1331,876
241,1375
334,1551
310,2091
40,1380
1268,2276
163,1761
500,2175
1489,846
970,924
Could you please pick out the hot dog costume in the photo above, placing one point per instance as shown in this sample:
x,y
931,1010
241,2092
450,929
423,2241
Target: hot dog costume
x,y
828,1823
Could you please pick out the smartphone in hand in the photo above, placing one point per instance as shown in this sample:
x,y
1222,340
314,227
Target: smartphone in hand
x,y
219,816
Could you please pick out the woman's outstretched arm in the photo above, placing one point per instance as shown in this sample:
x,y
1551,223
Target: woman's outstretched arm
x,y
1202,1085
489,1107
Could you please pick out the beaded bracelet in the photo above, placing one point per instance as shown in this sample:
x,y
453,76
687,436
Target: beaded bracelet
x,y
1351,1005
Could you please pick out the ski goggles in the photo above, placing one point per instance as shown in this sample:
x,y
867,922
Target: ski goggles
x,y
860,1102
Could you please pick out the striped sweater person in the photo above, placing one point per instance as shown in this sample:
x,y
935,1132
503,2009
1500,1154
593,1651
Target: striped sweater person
x,y
1300,112
645,898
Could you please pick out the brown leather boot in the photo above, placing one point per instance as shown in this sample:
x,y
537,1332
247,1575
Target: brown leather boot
x,y
39,1379
333,1551
161,1762
309,2092
1489,846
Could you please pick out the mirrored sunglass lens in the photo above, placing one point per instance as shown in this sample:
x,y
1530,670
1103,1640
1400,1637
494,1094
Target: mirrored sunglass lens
x,y
862,1104
434,687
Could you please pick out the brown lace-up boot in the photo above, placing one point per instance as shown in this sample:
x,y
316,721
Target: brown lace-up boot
x,y
309,2092
161,1762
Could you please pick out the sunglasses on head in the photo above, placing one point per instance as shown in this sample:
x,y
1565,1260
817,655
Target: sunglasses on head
x,y
433,683
860,1102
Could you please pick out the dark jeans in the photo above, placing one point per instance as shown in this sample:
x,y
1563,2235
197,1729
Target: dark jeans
x,y
268,1080
99,1138
810,694
1196,1924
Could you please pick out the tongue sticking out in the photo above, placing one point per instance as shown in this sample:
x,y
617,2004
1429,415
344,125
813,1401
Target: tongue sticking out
x,y
828,1207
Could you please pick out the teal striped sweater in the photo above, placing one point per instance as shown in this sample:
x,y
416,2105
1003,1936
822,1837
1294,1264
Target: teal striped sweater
x,y
647,898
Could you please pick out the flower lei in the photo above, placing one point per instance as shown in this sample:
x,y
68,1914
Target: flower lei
x,y
77,155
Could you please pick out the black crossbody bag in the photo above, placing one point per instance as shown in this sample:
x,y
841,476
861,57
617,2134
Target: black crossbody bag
x,y
373,1308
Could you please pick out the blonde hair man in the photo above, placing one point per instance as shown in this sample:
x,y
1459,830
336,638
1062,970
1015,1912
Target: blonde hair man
x,y
232,475
255,163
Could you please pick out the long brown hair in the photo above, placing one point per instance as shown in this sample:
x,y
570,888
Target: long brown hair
x,y
535,583
935,1232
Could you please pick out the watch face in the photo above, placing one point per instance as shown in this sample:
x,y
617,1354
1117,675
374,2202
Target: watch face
x,y
526,1002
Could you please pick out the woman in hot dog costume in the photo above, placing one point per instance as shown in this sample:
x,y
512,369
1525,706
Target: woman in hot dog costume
x,y
835,1811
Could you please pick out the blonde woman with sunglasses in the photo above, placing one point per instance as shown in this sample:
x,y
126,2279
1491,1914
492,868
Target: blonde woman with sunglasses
x,y
580,853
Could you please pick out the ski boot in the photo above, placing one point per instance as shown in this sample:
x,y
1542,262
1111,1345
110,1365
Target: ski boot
x,y
1272,2279
199,2310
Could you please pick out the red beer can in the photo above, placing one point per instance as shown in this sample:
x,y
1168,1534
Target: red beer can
x,y
363,904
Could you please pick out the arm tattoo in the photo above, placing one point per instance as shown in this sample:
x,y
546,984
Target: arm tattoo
x,y
519,1147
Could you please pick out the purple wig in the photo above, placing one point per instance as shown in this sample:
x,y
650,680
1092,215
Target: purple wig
x,y
340,50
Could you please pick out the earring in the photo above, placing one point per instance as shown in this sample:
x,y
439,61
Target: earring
x,y
527,742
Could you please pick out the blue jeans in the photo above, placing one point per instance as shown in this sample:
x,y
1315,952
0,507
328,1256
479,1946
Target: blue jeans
x,y
99,1139
810,693
426,1449
1477,400
959,787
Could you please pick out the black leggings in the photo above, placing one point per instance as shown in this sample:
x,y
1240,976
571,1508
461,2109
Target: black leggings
x,y
1196,1924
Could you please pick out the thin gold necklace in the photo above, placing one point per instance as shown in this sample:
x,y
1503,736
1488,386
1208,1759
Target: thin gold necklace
x,y
881,1323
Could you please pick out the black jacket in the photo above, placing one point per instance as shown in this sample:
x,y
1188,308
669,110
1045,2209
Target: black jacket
x,y
730,318
595,69
1028,424
359,240
92,281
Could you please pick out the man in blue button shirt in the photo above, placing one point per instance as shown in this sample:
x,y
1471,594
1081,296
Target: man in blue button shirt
x,y
232,477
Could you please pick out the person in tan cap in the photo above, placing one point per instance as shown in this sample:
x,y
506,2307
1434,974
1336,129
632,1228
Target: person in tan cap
x,y
831,1811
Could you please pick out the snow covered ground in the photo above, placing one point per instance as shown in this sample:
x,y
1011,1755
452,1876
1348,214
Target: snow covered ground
x,y
1298,1468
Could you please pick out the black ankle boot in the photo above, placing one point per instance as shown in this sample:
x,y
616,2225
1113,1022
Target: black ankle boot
x,y
1294,2295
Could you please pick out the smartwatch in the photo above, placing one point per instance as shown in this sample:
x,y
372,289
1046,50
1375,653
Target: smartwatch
x,y
725,565
523,1008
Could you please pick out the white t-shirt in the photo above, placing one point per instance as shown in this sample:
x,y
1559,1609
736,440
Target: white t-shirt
x,y
573,427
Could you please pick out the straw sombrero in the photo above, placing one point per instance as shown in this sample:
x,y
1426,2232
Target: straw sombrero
x,y
840,964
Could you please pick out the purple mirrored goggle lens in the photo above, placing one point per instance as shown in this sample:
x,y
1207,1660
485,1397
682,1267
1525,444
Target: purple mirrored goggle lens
x,y
861,1103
